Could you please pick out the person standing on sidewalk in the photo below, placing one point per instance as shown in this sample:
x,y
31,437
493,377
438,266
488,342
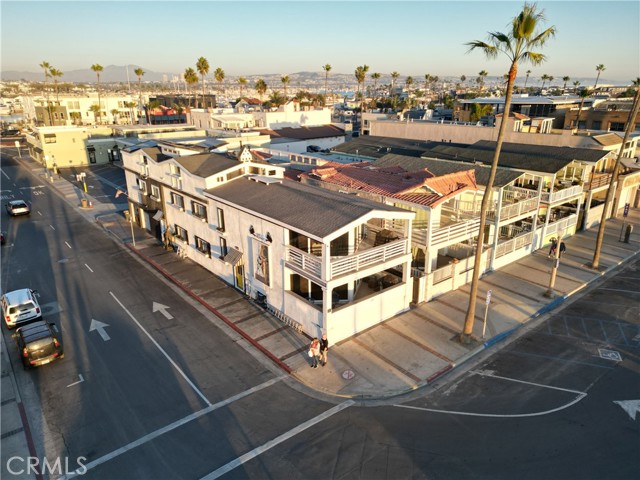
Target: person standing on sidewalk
x,y
563,248
314,352
552,248
324,349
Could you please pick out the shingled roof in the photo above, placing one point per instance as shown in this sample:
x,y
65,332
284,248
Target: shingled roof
x,y
304,133
306,208
205,165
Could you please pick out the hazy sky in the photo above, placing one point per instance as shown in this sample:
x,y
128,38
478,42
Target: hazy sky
x,y
243,37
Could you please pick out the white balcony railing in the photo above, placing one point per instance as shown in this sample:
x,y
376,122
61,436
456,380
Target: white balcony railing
x,y
346,264
514,244
560,195
457,231
353,263
561,225
516,209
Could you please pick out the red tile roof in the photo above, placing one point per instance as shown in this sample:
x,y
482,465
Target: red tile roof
x,y
420,187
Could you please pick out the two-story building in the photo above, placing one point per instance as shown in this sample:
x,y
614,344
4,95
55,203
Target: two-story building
x,y
318,259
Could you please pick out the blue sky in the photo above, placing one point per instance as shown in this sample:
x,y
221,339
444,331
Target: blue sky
x,y
244,38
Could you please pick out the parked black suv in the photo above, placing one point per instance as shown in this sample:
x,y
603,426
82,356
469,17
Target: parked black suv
x,y
38,344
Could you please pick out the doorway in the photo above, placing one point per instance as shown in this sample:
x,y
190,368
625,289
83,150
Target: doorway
x,y
239,276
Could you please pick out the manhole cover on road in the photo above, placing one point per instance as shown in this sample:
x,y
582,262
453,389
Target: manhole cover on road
x,y
348,374
610,354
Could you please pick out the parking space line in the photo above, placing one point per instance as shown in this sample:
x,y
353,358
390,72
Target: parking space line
x,y
559,359
487,374
67,244
175,365
276,441
498,415
88,267
168,428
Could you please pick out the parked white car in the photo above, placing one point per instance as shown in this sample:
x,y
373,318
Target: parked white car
x,y
20,306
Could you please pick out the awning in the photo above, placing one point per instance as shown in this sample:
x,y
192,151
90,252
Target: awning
x,y
232,257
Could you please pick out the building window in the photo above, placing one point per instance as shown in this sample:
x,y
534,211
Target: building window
x,y
596,125
199,210
220,220
617,127
49,138
203,246
181,233
142,185
177,200
155,192
223,247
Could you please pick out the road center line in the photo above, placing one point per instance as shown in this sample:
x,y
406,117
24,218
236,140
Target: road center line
x,y
88,267
276,441
498,415
486,374
5,174
175,365
52,227
171,426
67,244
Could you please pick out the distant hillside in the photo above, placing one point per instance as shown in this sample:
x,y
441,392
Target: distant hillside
x,y
110,74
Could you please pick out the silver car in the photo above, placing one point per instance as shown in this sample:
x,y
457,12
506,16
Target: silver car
x,y
18,207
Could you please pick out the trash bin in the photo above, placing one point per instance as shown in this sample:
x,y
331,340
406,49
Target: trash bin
x,y
627,233
84,203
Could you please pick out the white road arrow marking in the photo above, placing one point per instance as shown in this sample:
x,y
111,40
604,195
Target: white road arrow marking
x,y
75,383
630,406
158,307
99,326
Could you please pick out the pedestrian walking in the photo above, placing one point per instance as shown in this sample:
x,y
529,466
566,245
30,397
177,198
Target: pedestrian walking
x,y
563,248
552,248
324,349
314,352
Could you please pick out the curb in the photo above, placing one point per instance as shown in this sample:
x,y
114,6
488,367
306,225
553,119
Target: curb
x,y
238,330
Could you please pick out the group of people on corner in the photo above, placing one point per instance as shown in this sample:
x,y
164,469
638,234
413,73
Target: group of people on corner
x,y
318,351
554,246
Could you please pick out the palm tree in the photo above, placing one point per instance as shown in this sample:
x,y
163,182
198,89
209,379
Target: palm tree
x,y
45,67
565,79
526,79
544,78
202,65
360,74
139,73
516,45
376,77
114,114
191,78
550,80
285,82
576,84
479,110
219,76
613,183
242,82
409,83
584,93
599,68
96,67
276,99
394,77
327,69
130,106
483,74
96,112
55,74
261,87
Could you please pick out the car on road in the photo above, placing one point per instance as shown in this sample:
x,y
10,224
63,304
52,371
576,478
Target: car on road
x,y
20,306
18,207
38,344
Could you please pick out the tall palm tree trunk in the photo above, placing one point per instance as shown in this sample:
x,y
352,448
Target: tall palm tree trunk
x,y
613,185
484,207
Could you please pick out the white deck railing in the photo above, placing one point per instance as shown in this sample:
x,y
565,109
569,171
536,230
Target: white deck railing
x,y
514,244
345,264
561,225
457,231
562,194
